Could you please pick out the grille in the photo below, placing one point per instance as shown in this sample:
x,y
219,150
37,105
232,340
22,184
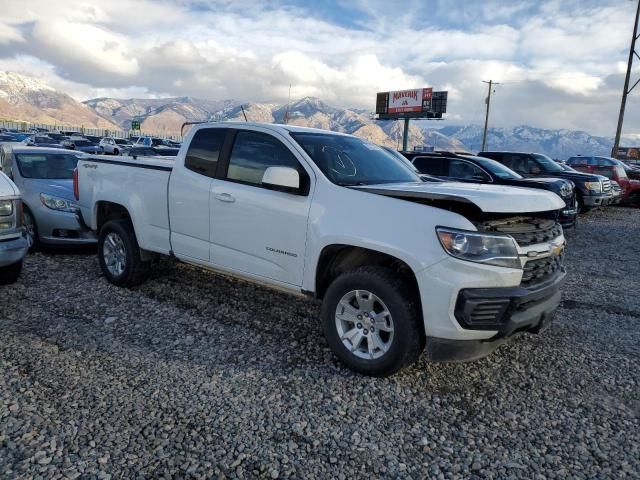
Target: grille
x,y
539,270
525,230
606,186
538,236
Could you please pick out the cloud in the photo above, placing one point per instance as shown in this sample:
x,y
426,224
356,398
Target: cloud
x,y
560,62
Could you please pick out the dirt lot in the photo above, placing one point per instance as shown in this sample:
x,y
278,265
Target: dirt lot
x,y
196,375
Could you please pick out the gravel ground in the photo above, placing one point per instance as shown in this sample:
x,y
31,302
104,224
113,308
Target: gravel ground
x,y
194,375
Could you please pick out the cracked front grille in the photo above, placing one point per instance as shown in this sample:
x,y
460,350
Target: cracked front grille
x,y
538,271
525,230
538,236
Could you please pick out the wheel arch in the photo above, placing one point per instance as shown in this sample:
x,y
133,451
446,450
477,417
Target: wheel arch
x,y
107,210
337,259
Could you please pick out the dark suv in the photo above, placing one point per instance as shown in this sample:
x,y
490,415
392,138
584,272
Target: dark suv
x,y
591,190
472,169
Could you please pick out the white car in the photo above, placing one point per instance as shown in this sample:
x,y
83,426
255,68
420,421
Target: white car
x,y
14,242
114,146
401,265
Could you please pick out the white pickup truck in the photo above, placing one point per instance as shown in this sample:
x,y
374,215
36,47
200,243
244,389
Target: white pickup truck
x,y
401,265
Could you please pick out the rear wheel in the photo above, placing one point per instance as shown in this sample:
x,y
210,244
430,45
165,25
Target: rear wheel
x,y
10,273
371,321
116,151
119,254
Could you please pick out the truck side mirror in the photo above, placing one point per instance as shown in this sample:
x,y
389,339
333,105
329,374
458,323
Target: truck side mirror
x,y
284,179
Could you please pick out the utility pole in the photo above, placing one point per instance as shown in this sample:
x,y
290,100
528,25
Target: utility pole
x,y
486,117
626,90
405,135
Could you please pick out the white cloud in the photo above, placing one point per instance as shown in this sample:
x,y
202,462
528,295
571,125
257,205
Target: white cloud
x,y
560,62
81,46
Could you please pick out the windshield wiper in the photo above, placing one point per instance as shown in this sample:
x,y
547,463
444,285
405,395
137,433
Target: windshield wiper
x,y
352,184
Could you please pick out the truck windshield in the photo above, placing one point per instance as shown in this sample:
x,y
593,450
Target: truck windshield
x,y
47,165
497,169
622,173
351,161
547,163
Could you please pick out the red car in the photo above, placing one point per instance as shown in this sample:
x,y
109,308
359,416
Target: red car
x,y
613,169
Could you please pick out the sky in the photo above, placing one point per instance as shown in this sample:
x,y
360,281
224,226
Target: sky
x,y
560,63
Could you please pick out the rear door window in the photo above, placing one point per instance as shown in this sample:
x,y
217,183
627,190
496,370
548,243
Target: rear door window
x,y
464,170
431,166
605,171
204,151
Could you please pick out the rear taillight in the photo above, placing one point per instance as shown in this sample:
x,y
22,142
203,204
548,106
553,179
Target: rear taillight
x,y
76,188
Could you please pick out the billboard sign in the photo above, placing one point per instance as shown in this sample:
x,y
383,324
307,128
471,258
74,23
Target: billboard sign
x,y
414,103
627,153
410,100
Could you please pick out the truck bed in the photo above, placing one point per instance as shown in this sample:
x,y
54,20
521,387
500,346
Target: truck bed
x,y
138,185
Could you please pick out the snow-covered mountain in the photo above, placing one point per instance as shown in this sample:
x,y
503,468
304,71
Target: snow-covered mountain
x,y
555,143
161,116
26,98
29,99
166,116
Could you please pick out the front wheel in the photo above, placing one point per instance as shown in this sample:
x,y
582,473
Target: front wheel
x,y
32,229
580,207
10,273
371,321
119,254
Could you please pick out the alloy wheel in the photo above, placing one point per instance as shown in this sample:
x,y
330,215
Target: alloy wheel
x,y
364,324
114,253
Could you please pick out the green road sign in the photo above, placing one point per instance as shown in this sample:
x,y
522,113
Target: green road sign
x,y
135,125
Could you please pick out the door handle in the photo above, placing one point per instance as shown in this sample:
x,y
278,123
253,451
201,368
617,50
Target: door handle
x,y
225,197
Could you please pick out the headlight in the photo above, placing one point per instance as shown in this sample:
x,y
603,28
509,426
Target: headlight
x,y
6,208
594,186
490,249
566,190
57,203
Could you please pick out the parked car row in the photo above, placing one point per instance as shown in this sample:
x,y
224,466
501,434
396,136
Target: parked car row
x,y
93,144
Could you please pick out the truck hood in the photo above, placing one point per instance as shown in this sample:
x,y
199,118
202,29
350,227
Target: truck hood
x,y
488,198
544,181
578,176
7,187
57,188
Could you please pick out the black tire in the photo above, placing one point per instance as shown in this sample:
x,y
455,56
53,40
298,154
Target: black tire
x,y
116,151
408,337
135,270
580,205
10,273
634,200
32,230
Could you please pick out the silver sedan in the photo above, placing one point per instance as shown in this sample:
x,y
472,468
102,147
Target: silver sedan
x,y
45,178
